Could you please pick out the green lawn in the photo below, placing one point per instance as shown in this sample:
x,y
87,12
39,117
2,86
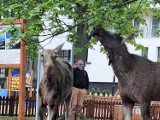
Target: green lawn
x,y
15,118
31,118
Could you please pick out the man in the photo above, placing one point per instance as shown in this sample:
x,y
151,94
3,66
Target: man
x,y
80,85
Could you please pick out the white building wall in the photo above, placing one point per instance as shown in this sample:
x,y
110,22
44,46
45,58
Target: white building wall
x,y
100,71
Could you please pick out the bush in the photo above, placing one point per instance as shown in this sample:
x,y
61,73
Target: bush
x,y
108,92
93,91
104,92
98,91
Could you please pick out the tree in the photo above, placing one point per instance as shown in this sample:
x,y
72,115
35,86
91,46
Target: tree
x,y
114,15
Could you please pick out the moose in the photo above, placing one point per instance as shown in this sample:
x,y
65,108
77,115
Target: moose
x,y
56,84
138,77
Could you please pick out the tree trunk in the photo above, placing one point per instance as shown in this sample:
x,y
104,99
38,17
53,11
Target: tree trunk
x,y
81,35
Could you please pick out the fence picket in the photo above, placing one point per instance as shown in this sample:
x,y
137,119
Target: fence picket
x,y
3,106
16,105
0,106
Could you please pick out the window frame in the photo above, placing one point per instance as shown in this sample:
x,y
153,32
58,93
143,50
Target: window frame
x,y
155,27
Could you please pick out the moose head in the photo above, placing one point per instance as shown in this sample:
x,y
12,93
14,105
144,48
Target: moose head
x,y
110,40
48,57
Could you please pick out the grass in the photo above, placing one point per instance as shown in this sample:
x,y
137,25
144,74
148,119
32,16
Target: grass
x,y
82,118
31,118
14,118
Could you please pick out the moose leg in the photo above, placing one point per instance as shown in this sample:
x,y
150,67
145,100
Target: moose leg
x,y
53,111
127,107
68,105
42,110
145,110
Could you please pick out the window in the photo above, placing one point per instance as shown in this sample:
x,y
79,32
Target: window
x,y
158,56
155,26
65,55
145,52
136,26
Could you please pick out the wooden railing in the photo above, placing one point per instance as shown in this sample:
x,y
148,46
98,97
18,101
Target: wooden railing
x,y
99,108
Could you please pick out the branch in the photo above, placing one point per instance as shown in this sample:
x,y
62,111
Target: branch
x,y
55,34
42,35
123,4
48,43
62,22
45,39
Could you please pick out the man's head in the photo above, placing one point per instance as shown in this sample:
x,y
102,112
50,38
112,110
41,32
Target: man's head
x,y
80,64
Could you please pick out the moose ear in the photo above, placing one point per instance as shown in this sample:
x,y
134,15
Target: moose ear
x,y
58,48
128,37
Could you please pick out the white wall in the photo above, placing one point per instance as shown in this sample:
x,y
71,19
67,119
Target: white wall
x,y
50,44
57,40
100,71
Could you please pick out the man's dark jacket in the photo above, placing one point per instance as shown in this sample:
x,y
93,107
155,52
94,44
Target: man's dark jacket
x,y
81,79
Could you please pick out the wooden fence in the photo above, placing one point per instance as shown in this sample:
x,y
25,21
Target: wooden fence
x,y
10,106
98,109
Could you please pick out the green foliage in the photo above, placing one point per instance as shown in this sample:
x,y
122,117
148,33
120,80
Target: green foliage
x,y
108,92
112,15
15,32
93,91
137,46
98,91
104,92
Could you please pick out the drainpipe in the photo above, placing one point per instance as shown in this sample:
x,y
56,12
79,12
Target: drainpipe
x,y
39,68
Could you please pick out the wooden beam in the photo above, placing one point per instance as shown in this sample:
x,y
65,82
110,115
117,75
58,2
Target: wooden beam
x,y
22,94
8,66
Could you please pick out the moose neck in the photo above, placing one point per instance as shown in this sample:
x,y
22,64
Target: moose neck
x,y
120,59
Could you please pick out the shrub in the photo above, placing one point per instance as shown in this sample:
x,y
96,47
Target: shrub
x,y
93,91
98,91
104,92
108,92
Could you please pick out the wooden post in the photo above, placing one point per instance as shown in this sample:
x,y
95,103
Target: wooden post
x,y
7,83
22,67
115,96
9,78
21,113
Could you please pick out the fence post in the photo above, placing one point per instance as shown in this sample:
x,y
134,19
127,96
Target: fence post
x,y
112,109
91,108
86,105
11,107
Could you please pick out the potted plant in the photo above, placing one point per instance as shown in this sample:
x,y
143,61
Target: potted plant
x,y
93,91
108,92
104,92
98,91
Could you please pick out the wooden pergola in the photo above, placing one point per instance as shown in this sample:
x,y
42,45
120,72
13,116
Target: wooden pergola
x,y
21,66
